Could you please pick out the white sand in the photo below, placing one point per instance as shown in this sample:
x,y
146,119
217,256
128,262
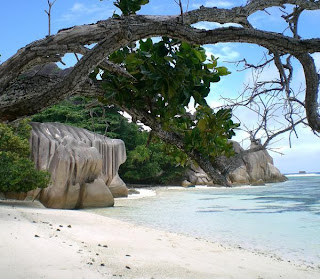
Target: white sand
x,y
132,252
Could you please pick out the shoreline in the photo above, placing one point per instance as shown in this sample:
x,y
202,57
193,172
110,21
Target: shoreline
x,y
262,250
48,243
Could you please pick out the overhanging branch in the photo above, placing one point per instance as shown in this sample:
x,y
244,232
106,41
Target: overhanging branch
x,y
112,34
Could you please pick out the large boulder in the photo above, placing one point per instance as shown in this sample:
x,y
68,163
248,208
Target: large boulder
x,y
83,165
256,166
117,187
197,176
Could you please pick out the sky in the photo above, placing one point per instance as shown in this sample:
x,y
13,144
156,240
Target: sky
x,y
23,22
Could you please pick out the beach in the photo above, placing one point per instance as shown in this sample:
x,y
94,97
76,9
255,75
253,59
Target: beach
x,y
36,242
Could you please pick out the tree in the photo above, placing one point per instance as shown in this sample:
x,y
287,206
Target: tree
x,y
24,93
165,76
17,171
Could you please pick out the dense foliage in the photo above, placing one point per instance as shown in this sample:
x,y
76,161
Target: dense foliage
x,y
148,161
17,171
168,76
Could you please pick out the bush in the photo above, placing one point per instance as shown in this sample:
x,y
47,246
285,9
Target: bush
x,y
152,164
17,171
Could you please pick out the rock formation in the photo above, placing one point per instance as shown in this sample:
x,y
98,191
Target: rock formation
x,y
83,166
256,169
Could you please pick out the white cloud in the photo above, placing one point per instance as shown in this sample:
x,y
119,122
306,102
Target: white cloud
x,y
213,25
225,52
77,7
216,103
83,9
303,154
80,13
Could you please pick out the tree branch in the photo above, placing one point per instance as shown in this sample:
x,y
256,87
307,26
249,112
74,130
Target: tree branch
x,y
112,34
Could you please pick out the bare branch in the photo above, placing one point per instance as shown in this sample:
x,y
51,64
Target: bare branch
x,y
48,12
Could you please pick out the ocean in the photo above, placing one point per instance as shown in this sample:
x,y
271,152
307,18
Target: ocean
x,y
280,219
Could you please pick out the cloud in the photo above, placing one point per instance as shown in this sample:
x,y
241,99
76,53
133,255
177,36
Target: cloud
x,y
214,103
81,13
304,150
213,25
225,52
78,7
301,156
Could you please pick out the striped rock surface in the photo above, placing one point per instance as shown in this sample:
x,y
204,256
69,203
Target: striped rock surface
x,y
83,165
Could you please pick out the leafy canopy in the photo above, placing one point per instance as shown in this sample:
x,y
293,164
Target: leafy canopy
x,y
168,75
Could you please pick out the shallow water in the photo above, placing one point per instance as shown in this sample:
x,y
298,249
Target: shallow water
x,y
281,218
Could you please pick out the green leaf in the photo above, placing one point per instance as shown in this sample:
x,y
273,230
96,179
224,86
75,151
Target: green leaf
x,y
199,55
202,124
144,2
185,46
209,66
223,71
146,45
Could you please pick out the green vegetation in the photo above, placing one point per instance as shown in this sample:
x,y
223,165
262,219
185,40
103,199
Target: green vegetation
x,y
168,76
17,171
129,7
152,164
148,160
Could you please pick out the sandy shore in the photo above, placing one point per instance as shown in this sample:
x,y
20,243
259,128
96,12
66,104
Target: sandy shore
x,y
43,243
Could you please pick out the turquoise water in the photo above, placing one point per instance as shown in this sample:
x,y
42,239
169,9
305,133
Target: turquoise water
x,y
281,218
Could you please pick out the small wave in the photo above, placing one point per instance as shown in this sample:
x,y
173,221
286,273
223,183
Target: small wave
x,y
206,187
302,174
201,186
191,187
175,188
246,186
143,193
